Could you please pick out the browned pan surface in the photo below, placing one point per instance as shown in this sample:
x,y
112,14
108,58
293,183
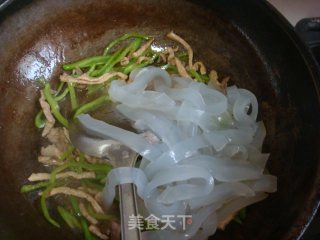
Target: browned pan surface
x,y
37,37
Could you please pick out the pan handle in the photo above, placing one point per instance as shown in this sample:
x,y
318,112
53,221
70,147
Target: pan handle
x,y
309,31
4,4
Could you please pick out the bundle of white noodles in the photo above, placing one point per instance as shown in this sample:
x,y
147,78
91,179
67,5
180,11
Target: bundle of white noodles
x,y
207,162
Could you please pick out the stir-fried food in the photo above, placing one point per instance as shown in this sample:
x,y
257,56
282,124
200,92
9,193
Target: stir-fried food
x,y
198,138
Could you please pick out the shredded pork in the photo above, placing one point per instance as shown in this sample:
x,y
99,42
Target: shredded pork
x,y
49,160
95,230
91,191
57,137
77,193
214,82
143,48
186,45
46,176
86,79
85,213
162,58
124,61
50,121
171,56
98,197
181,69
51,151
200,66
142,58
47,128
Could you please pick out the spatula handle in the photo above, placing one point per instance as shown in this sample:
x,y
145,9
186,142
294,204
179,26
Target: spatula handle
x,y
128,207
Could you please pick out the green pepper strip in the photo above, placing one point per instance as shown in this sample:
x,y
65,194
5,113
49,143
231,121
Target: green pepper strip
x,y
86,231
32,187
100,216
169,67
199,77
122,38
77,169
75,205
92,68
88,166
44,208
241,215
205,78
61,84
107,66
87,62
39,120
100,175
183,56
54,105
118,55
90,106
196,75
84,225
134,65
66,153
62,95
135,45
103,180
92,184
73,97
94,88
69,218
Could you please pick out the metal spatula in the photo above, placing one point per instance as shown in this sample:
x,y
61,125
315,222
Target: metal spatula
x,y
119,156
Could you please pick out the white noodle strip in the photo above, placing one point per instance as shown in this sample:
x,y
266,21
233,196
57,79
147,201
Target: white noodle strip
x,y
123,175
242,105
226,170
267,183
223,192
166,130
207,161
159,209
177,174
141,78
132,140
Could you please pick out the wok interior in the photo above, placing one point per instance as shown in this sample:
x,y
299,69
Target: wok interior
x,y
42,35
